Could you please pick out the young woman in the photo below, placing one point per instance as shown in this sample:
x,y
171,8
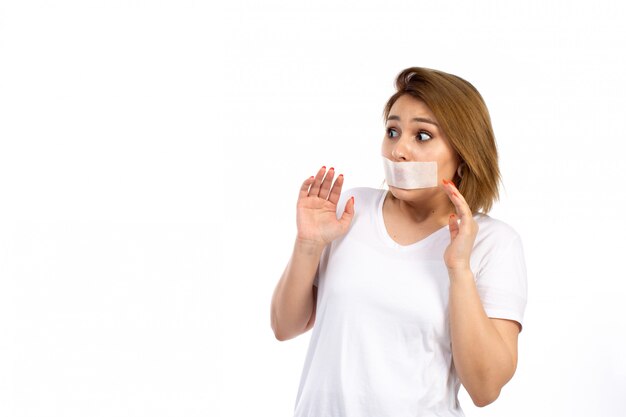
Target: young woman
x,y
410,291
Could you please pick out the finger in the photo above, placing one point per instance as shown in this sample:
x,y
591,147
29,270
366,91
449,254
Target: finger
x,y
328,180
315,188
455,191
335,192
454,226
348,213
462,208
304,189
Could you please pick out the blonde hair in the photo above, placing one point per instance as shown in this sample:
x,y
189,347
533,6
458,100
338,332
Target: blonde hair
x,y
463,116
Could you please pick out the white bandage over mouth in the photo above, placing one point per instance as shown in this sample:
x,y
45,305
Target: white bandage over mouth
x,y
410,175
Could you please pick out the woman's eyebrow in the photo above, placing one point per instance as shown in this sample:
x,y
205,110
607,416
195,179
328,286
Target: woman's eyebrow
x,y
415,119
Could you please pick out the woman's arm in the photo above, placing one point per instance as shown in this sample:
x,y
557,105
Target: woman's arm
x,y
293,302
484,349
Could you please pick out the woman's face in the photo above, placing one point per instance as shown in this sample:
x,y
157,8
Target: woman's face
x,y
407,139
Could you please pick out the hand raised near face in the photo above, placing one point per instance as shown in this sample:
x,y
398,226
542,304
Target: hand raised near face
x,y
316,215
462,234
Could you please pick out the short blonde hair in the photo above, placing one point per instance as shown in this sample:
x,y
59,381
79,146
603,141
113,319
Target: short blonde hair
x,y
463,116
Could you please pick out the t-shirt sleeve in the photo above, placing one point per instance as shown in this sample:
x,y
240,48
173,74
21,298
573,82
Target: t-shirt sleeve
x,y
502,282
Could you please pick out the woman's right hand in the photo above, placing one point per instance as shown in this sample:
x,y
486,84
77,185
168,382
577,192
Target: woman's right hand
x,y
316,214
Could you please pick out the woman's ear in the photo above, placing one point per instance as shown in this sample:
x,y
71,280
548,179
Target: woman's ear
x,y
460,171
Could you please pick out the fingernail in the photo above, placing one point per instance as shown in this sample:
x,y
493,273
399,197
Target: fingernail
x,y
341,175
324,167
454,194
452,215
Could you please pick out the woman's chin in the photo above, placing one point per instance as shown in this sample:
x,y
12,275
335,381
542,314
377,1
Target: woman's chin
x,y
411,193
406,190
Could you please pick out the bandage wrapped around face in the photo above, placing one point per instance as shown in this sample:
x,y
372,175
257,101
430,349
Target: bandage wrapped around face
x,y
410,175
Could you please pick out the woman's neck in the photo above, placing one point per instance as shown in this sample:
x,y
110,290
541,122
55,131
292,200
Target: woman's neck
x,y
434,211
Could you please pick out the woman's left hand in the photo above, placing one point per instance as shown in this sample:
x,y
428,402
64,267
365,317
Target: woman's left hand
x,y
463,235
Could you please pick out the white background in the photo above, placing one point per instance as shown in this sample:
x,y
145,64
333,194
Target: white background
x,y
151,154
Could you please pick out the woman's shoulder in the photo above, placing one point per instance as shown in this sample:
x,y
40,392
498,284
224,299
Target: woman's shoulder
x,y
494,231
496,239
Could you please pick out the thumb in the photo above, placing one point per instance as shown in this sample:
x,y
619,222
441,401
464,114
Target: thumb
x,y
454,226
348,213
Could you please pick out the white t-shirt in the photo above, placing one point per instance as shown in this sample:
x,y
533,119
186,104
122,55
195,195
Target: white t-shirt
x,y
380,345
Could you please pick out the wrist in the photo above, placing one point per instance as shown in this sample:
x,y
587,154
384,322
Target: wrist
x,y
309,247
460,272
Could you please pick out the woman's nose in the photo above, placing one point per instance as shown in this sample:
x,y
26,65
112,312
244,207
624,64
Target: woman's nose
x,y
400,150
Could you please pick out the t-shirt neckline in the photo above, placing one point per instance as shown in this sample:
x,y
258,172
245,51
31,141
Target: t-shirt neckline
x,y
392,243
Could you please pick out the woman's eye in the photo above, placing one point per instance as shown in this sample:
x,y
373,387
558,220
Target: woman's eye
x,y
391,132
425,133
